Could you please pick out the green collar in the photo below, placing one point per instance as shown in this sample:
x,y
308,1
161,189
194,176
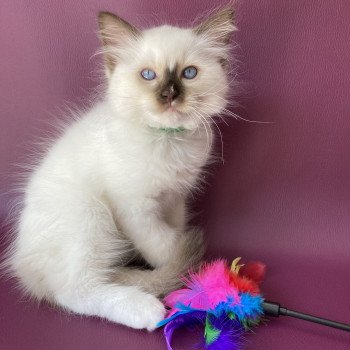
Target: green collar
x,y
171,130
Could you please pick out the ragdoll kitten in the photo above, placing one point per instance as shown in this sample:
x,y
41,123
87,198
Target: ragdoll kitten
x,y
114,185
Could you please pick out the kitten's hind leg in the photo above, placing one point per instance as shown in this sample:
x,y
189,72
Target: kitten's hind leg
x,y
65,252
92,293
186,255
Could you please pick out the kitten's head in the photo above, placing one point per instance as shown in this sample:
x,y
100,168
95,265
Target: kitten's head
x,y
167,77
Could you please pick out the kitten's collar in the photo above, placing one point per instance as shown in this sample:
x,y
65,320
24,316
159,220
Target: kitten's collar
x,y
170,130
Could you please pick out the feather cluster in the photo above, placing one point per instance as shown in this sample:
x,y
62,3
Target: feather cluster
x,y
226,301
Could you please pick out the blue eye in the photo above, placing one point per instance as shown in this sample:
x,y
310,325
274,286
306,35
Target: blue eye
x,y
148,74
189,72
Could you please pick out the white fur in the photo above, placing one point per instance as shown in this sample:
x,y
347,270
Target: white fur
x,y
114,183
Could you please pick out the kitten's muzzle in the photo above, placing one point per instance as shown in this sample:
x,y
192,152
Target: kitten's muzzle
x,y
170,93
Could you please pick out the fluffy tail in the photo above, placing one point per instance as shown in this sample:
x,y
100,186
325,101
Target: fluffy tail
x,y
160,281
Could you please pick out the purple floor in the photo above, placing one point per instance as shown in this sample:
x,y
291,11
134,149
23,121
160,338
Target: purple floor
x,y
283,194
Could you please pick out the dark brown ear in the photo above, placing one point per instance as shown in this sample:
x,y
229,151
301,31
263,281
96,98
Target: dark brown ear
x,y
114,33
218,26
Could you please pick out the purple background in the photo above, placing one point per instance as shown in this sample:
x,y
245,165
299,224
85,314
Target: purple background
x,y
283,194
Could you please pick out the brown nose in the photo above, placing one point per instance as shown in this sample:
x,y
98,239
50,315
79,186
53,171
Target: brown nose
x,y
170,93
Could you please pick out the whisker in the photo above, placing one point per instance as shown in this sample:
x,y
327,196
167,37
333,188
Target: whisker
x,y
220,133
205,123
236,116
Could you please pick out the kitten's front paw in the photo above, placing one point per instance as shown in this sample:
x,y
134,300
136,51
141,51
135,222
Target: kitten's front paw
x,y
149,311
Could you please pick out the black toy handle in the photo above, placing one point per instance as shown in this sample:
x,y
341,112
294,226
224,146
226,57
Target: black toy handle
x,y
275,309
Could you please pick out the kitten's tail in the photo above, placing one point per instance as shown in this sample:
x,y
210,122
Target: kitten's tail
x,y
160,281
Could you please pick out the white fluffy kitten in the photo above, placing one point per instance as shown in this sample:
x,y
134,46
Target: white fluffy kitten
x,y
114,185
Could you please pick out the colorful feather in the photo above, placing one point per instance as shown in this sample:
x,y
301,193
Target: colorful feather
x,y
226,301
228,336
188,319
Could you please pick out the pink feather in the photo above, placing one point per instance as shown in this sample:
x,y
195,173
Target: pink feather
x,y
205,289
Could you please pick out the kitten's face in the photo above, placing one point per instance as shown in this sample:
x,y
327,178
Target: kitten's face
x,y
167,77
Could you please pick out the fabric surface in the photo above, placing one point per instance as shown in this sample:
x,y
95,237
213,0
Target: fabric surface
x,y
282,195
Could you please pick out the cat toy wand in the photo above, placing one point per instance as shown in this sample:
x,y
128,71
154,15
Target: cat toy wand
x,y
227,302
276,310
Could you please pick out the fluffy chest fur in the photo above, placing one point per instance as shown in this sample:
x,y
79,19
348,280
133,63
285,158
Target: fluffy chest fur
x,y
149,160
110,155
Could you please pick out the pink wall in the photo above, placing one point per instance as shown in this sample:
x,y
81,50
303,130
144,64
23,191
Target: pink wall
x,y
283,195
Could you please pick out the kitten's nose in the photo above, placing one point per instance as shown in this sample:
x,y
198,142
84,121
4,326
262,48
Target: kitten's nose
x,y
170,93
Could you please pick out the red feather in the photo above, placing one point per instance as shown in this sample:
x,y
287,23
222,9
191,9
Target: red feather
x,y
254,271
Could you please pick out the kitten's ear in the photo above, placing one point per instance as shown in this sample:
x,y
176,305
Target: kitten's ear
x,y
218,27
114,33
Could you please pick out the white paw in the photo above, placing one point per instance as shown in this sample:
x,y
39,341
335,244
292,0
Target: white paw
x,y
147,313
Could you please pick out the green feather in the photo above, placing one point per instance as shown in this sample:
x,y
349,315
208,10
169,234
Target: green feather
x,y
231,315
210,333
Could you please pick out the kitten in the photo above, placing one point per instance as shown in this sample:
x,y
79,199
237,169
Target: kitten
x,y
114,186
